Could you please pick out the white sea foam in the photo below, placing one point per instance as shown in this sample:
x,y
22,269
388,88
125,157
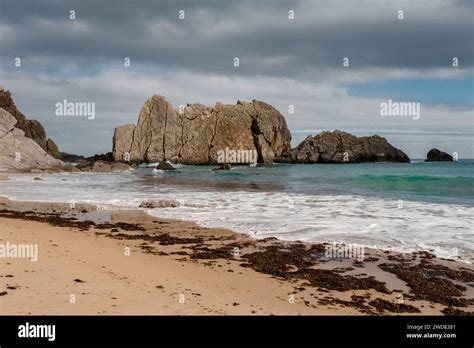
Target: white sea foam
x,y
149,165
444,229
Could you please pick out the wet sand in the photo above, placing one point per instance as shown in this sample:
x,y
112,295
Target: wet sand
x,y
126,262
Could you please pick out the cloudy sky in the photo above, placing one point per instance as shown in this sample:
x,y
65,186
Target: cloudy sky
x,y
283,61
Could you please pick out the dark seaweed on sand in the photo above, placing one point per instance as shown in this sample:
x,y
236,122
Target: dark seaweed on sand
x,y
55,219
296,261
433,282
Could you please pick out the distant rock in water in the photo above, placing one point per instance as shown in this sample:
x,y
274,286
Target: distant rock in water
x,y
224,166
435,155
32,128
195,134
70,157
165,165
342,147
19,152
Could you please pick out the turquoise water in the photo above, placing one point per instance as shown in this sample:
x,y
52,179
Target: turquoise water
x,y
404,207
438,182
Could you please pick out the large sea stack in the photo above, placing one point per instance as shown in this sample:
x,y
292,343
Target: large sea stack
x,y
196,133
342,147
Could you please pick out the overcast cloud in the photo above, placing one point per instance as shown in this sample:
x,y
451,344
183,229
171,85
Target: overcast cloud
x,y
282,62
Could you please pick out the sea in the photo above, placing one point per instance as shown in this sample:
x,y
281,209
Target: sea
x,y
405,207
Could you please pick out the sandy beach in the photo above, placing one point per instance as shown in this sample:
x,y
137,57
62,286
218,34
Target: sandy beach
x,y
126,262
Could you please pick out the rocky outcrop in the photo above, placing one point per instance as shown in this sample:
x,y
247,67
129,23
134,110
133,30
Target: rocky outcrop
x,y
100,163
435,155
52,148
196,133
31,128
106,157
105,167
18,152
342,147
70,157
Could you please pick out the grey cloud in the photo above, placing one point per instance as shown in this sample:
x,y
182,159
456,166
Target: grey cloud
x,y
258,32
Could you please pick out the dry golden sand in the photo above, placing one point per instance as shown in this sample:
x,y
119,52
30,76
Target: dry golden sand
x,y
94,266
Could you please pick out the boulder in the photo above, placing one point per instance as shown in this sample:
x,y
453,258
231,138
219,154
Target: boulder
x,y
435,155
342,147
71,169
32,128
224,166
84,164
196,133
18,152
106,167
165,165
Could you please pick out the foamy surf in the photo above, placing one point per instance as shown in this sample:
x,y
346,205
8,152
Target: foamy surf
x,y
443,229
